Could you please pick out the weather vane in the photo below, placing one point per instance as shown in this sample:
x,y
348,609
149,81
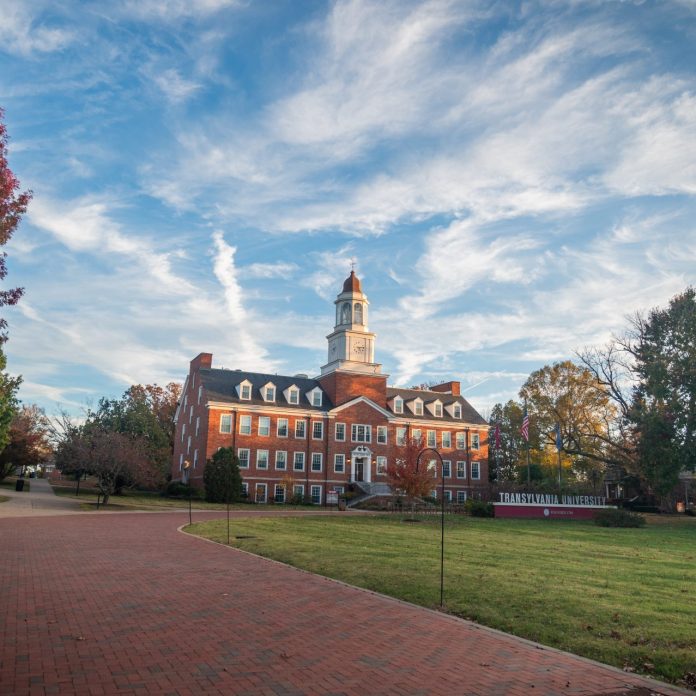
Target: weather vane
x,y
352,264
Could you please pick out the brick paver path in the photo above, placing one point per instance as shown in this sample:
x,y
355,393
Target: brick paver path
x,y
103,604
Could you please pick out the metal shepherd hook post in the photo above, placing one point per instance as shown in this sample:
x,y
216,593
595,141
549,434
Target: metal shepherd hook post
x,y
187,476
442,517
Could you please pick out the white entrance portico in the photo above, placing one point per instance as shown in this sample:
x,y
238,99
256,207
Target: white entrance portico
x,y
360,464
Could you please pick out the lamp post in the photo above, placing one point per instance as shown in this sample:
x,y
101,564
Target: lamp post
x,y
442,518
187,476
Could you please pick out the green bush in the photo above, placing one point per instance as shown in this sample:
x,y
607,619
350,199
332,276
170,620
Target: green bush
x,y
223,482
479,508
618,518
176,489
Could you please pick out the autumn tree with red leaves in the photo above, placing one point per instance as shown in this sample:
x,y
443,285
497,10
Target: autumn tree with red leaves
x,y
29,441
13,205
406,476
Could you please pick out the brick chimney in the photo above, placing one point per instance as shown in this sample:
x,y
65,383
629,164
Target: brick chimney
x,y
202,360
453,388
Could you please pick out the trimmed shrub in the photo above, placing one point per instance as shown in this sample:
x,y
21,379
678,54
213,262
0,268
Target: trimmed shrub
x,y
479,508
176,489
223,482
618,518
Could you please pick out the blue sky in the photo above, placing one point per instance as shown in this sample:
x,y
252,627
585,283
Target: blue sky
x,y
512,181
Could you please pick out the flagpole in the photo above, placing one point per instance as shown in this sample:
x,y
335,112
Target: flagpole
x,y
559,447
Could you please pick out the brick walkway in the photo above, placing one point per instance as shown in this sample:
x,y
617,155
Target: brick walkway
x,y
103,604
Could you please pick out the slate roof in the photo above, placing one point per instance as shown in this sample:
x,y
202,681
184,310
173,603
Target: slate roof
x,y
469,413
220,385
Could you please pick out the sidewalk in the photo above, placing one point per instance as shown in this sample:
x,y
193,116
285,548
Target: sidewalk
x,y
39,500
126,604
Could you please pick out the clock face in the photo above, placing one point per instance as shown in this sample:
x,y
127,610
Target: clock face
x,y
359,348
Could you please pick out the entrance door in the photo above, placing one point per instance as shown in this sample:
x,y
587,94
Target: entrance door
x,y
360,469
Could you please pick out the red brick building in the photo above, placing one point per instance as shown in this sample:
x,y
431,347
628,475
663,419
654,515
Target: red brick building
x,y
301,435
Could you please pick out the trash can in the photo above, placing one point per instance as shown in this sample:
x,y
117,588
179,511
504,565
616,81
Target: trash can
x,y
341,504
19,486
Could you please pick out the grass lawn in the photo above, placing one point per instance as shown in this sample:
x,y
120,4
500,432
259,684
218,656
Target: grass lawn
x,y
626,597
11,482
4,498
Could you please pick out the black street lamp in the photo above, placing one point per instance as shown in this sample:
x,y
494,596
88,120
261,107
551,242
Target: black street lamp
x,y
187,476
442,518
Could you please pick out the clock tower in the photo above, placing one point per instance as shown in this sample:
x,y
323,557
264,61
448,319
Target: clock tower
x,y
351,344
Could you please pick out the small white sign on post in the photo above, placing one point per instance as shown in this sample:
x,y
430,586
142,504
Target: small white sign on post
x,y
332,497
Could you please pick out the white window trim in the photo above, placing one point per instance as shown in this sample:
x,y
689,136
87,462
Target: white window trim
x,y
442,438
268,385
285,468
398,405
312,488
401,442
265,493
241,422
413,406
354,430
446,462
248,458
292,389
339,439
432,407
384,429
287,427
477,436
183,431
276,488
477,469
228,418
304,463
312,393
343,463
304,426
321,423
381,461
240,391
258,458
431,438
298,489
463,439
321,462
462,478
258,429
461,497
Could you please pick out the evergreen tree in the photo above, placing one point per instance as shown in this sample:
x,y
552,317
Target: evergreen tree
x,y
222,480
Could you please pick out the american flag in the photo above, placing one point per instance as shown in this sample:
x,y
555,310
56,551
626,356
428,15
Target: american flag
x,y
525,426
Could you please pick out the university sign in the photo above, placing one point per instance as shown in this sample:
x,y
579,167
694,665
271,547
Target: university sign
x,y
549,505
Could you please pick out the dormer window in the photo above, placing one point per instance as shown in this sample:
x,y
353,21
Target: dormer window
x,y
398,405
457,411
438,409
417,407
268,392
292,395
315,397
244,390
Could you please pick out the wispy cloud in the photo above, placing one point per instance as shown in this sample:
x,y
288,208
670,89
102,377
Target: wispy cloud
x,y
23,32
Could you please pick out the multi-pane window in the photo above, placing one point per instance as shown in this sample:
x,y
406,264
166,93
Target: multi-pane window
x,y
417,434
382,434
475,471
432,466
260,492
381,465
245,425
401,436
269,394
317,430
183,431
447,468
461,441
262,459
340,432
298,461
294,396
226,423
316,495
245,489
461,470
361,433
461,496
438,410
243,456
200,393
457,410
195,458
300,429
316,461
446,439
198,424
298,490
448,496
316,398
339,463
431,441
245,392
279,493
264,425
282,427
475,441
188,445
398,405
418,408
281,460
190,415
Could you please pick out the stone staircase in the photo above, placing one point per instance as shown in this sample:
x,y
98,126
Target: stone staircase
x,y
370,490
